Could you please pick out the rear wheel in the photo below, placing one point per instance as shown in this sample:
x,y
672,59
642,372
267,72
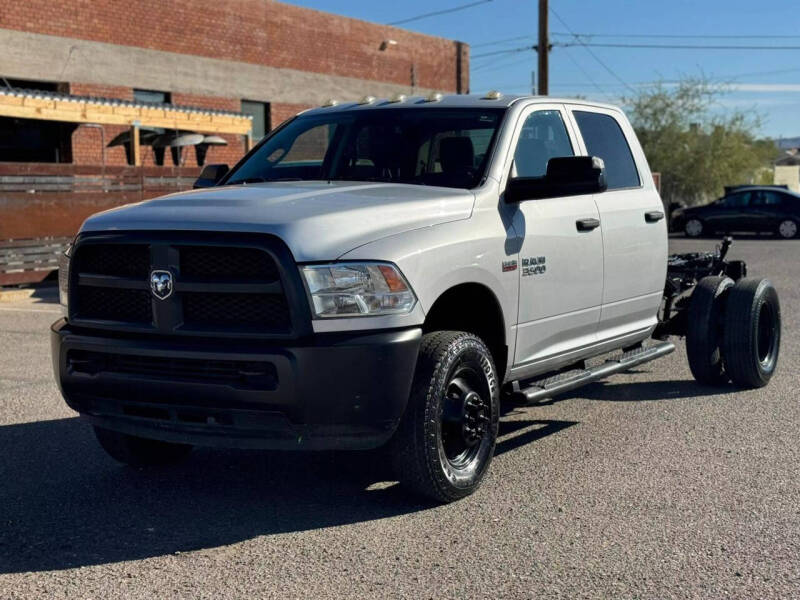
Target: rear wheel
x,y
704,332
787,229
139,451
752,333
445,441
693,227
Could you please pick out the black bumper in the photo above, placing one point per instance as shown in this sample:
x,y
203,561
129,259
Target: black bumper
x,y
330,391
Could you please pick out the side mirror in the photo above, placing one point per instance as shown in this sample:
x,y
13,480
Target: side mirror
x,y
211,175
565,176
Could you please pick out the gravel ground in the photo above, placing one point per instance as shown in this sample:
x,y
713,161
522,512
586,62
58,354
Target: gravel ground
x,y
643,486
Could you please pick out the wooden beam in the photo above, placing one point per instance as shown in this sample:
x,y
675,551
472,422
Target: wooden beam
x,y
136,148
84,111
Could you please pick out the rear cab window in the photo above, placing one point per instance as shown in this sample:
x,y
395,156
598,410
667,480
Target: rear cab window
x,y
604,138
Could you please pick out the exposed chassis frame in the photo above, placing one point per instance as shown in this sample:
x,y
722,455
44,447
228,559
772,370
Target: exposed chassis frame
x,y
683,273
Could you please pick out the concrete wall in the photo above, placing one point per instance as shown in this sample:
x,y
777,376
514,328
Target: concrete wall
x,y
788,175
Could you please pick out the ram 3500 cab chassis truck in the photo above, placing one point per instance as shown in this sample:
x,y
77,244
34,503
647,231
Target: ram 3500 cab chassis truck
x,y
382,274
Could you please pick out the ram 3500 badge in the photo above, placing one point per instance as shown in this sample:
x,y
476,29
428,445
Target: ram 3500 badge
x,y
339,288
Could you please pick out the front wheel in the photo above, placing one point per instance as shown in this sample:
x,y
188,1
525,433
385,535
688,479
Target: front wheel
x,y
445,442
138,451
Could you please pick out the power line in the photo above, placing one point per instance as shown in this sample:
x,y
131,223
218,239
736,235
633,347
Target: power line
x,y
592,54
498,52
439,12
677,36
501,63
579,42
585,72
503,41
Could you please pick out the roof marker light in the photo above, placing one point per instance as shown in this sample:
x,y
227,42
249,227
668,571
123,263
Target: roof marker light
x,y
367,100
433,97
492,95
398,98
331,102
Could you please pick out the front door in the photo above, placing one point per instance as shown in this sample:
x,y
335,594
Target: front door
x,y
561,254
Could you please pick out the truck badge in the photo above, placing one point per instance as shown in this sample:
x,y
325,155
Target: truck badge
x,y
535,265
509,265
161,284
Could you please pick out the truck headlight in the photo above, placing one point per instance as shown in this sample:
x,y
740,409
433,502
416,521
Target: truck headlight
x,y
63,275
358,289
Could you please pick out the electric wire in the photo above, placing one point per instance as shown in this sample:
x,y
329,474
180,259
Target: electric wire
x,y
439,12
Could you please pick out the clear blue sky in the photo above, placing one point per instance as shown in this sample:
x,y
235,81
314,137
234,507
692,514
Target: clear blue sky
x,y
764,81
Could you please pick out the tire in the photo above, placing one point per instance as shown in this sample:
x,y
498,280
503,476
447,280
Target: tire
x,y
140,452
787,229
704,331
444,444
752,333
693,228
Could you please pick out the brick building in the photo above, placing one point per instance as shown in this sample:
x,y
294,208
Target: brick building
x,y
263,59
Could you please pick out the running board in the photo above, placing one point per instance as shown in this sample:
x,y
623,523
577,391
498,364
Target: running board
x,y
548,387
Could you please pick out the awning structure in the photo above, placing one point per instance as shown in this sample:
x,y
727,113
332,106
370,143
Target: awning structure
x,y
52,106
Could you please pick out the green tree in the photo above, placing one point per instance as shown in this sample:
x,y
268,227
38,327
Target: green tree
x,y
696,146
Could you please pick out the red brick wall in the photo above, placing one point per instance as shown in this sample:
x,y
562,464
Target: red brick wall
x,y
281,112
87,148
255,31
86,141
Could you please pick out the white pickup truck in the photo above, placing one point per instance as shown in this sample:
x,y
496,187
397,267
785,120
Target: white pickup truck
x,y
382,274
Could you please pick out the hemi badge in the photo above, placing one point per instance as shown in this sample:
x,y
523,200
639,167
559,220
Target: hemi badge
x,y
509,265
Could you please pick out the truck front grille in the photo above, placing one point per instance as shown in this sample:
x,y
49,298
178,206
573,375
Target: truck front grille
x,y
264,310
115,304
121,260
213,261
220,285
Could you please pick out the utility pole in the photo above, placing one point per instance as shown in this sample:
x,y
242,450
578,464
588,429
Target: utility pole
x,y
543,49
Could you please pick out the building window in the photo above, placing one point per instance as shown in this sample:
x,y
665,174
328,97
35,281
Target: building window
x,y
261,117
152,97
34,140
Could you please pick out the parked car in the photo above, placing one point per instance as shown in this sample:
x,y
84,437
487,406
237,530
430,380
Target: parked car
x,y
745,209
383,273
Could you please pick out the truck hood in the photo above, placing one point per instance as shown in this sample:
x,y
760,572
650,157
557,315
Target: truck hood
x,y
317,220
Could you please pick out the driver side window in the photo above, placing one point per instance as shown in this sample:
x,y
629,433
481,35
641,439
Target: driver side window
x,y
737,200
544,136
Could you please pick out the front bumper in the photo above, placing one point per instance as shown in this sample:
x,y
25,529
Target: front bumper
x,y
330,391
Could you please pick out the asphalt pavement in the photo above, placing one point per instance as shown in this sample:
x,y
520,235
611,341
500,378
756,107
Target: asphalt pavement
x,y
646,485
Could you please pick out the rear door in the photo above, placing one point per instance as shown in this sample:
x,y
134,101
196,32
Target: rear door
x,y
632,222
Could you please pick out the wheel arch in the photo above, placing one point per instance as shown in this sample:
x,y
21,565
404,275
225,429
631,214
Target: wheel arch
x,y
472,307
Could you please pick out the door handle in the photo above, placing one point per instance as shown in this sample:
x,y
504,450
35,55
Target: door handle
x,y
653,216
587,224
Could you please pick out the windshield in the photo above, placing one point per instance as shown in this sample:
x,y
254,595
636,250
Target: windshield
x,y
437,146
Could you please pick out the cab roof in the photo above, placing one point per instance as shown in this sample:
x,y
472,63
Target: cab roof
x,y
442,101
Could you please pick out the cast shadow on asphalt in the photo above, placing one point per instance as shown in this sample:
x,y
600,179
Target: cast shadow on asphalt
x,y
65,504
643,391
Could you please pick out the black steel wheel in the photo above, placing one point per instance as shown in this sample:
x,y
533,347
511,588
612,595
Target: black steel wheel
x,y
752,333
138,451
445,441
704,330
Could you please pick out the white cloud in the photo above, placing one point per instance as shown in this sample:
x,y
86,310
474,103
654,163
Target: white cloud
x,y
768,88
